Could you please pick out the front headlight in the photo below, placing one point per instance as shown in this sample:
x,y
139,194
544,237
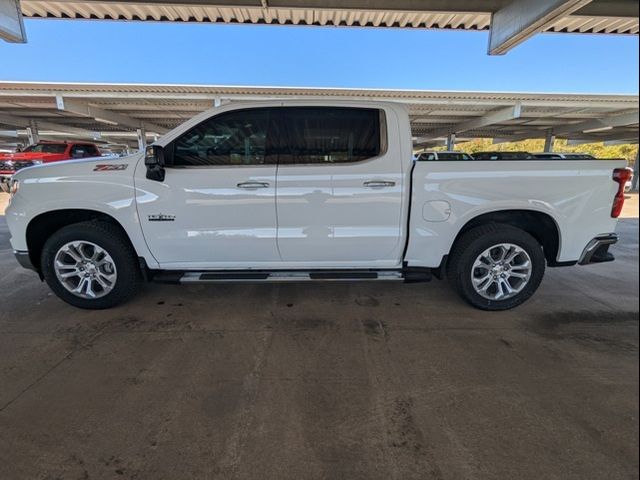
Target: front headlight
x,y
37,162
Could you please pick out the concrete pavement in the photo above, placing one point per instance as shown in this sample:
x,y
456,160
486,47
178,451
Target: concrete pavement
x,y
323,380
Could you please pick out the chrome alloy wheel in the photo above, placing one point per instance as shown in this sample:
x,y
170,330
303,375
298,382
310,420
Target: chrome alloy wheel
x,y
85,269
501,271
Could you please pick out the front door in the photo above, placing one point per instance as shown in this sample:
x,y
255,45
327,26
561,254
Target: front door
x,y
216,207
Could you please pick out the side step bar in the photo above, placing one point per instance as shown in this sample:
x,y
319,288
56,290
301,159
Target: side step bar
x,y
421,275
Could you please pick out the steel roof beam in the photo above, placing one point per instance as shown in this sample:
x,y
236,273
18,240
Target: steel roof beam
x,y
521,19
9,133
11,24
491,118
105,116
447,99
604,124
24,122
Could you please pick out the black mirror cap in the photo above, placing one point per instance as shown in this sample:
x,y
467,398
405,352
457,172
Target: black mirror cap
x,y
154,161
154,155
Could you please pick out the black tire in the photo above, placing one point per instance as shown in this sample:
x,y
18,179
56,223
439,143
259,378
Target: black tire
x,y
473,243
107,237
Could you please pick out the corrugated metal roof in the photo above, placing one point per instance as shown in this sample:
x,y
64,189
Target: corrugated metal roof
x,y
431,111
181,12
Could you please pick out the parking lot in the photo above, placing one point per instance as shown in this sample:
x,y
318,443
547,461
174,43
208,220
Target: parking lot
x,y
323,380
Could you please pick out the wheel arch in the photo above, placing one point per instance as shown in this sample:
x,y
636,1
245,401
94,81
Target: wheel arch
x,y
540,225
42,226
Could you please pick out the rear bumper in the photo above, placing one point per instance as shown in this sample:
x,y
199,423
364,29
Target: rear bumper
x,y
23,259
597,250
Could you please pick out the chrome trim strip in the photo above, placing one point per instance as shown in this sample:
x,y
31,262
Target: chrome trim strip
x,y
595,244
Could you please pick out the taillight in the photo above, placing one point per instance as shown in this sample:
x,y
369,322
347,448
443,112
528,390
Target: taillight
x,y
621,176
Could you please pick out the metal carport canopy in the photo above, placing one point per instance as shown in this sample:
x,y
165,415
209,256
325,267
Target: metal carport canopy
x,y
113,113
510,21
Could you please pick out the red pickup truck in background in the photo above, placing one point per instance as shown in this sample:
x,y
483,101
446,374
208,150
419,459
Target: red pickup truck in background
x,y
42,152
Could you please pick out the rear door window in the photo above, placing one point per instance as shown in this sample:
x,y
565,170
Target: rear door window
x,y
328,135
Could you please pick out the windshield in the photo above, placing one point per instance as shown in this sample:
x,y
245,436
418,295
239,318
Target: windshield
x,y
46,148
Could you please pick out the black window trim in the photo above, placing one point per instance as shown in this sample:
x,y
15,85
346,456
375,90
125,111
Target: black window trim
x,y
384,141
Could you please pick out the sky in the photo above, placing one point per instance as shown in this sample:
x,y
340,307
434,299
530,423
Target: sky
x,y
146,52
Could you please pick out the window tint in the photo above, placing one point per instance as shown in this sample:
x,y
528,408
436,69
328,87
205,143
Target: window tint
x,y
453,156
91,150
232,138
547,155
324,135
485,156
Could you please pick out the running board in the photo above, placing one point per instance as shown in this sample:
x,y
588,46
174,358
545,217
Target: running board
x,y
290,276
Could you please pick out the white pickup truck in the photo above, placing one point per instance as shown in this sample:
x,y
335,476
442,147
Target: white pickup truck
x,y
308,190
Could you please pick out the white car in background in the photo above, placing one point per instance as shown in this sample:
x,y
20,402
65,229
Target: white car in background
x,y
629,184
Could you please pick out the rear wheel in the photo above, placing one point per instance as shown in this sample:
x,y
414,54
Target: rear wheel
x,y
90,265
496,266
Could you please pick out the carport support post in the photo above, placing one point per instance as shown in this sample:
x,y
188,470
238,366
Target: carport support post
x,y
636,171
32,133
451,141
142,139
549,140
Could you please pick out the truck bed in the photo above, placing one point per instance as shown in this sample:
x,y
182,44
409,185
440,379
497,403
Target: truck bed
x,y
576,194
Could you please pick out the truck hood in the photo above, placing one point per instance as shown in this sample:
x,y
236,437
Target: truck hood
x,y
69,169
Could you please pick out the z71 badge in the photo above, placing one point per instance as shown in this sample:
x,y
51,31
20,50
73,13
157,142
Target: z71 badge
x,y
108,167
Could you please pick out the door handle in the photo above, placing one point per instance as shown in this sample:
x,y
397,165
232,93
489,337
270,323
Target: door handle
x,y
379,184
252,185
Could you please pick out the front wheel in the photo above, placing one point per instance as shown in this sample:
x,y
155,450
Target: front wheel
x,y
496,266
90,265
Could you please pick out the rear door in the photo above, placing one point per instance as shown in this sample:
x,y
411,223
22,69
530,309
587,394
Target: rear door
x,y
339,188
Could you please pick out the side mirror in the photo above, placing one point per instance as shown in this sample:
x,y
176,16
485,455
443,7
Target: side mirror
x,y
154,161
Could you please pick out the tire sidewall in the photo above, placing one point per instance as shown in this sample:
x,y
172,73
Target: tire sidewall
x,y
514,236
118,251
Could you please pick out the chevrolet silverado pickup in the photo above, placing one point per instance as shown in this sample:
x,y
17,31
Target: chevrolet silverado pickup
x,y
42,152
308,191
